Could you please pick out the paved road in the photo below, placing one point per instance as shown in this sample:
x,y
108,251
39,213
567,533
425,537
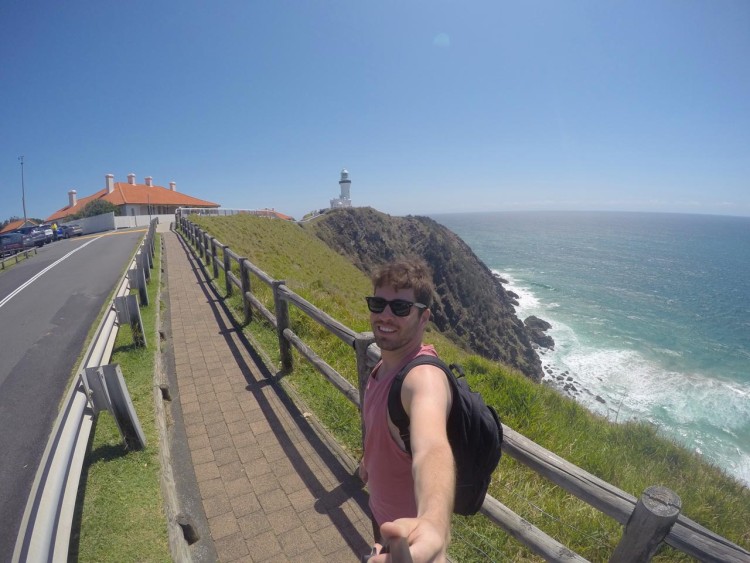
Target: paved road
x,y
47,306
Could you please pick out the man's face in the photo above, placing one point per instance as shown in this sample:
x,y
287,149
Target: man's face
x,y
394,333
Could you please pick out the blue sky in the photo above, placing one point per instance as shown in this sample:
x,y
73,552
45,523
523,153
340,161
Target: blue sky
x,y
432,106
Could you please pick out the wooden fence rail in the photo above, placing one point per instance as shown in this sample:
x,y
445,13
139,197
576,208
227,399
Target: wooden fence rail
x,y
648,521
15,256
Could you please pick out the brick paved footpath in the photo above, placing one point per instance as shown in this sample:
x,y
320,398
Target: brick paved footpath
x,y
270,488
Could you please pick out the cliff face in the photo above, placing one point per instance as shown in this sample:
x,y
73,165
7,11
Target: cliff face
x,y
471,305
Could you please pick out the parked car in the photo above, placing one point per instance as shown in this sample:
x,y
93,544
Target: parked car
x,y
73,230
10,243
49,234
37,236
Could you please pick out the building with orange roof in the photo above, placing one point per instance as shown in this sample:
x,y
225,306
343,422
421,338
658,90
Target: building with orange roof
x,y
133,199
13,225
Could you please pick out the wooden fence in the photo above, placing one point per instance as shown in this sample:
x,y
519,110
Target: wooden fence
x,y
16,256
650,520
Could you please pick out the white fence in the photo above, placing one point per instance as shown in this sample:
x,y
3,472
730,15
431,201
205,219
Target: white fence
x,y
131,221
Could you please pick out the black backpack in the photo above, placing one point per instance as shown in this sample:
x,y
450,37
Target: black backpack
x,y
474,433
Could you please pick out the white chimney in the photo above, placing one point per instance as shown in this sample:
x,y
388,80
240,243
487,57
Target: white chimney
x,y
110,183
131,179
149,181
72,198
173,186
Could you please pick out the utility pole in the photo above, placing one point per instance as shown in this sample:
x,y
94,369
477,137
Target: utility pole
x,y
23,191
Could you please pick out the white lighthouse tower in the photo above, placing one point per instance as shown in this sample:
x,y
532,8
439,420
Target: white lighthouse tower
x,y
344,200
345,183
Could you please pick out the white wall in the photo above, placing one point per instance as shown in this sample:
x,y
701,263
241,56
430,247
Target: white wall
x,y
108,222
105,222
131,221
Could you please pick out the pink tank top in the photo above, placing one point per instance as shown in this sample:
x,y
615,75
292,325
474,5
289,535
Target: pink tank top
x,y
389,477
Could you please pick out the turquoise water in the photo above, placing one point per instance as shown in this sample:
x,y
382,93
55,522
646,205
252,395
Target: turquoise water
x,y
650,314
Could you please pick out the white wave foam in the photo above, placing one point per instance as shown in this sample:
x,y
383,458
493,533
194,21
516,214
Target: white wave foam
x,y
526,299
706,415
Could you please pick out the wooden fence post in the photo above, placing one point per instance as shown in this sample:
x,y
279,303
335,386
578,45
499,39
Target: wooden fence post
x,y
364,366
361,343
227,269
214,257
282,323
245,280
652,519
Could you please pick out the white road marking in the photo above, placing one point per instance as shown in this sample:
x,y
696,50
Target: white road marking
x,y
40,274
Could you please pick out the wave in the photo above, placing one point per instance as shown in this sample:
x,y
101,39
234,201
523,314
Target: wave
x,y
708,415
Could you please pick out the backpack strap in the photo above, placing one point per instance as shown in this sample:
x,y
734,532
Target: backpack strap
x,y
396,408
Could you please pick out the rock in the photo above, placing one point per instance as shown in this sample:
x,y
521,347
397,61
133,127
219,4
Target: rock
x,y
471,306
541,339
501,279
535,322
598,398
536,328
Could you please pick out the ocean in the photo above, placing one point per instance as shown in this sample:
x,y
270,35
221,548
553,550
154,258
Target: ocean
x,y
650,314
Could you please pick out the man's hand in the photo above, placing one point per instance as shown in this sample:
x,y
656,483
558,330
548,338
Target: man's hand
x,y
414,540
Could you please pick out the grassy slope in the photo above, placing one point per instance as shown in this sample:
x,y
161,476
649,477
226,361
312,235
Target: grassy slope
x,y
631,456
122,518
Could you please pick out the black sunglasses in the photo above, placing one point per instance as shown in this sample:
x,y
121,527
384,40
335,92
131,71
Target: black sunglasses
x,y
399,307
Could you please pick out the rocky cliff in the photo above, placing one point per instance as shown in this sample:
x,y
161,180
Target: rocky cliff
x,y
471,306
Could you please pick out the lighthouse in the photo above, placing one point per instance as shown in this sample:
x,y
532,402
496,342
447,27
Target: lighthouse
x,y
345,184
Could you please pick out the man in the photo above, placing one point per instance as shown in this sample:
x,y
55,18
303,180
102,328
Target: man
x,y
411,497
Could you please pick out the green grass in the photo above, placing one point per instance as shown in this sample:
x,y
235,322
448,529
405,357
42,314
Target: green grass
x,y
630,456
121,515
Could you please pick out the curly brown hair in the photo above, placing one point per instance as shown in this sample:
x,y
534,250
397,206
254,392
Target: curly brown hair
x,y
408,273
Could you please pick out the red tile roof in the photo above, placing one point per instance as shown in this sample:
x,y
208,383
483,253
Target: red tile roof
x,y
13,225
273,213
138,194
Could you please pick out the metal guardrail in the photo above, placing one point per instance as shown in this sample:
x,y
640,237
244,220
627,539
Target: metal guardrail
x,y
46,526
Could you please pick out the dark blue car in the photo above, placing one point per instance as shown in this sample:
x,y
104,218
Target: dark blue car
x,y
10,243
38,238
